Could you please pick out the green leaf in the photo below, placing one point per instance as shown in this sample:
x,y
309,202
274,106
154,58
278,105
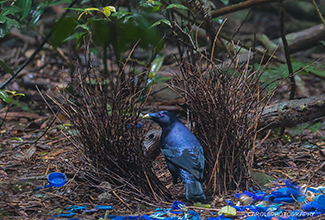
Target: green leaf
x,y
156,8
14,93
16,139
62,30
227,210
79,39
74,36
36,14
76,9
83,26
3,19
301,128
6,68
4,96
13,23
121,14
108,10
155,66
11,10
218,19
4,30
179,6
25,5
60,2
225,2
314,128
165,21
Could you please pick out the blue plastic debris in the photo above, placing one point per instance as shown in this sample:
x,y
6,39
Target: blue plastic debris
x,y
106,207
76,207
270,208
55,179
286,195
70,214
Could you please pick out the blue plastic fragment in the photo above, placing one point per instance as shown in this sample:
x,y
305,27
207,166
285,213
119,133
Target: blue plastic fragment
x,y
55,179
70,214
285,194
283,199
178,205
76,207
192,215
230,202
292,184
157,215
312,190
105,207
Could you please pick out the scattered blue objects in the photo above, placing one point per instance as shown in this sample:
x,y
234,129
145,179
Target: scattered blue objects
x,y
287,192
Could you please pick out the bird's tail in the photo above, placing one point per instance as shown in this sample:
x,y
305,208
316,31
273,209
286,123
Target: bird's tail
x,y
194,191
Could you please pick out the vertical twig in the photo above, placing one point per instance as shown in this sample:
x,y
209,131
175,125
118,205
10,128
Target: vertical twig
x,y
319,13
286,53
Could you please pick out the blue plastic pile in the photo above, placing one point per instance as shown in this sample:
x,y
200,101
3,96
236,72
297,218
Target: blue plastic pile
x,y
285,192
262,205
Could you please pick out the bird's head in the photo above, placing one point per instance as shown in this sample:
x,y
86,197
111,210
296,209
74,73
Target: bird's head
x,y
163,118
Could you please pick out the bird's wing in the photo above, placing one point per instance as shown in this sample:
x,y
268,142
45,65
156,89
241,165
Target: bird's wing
x,y
191,159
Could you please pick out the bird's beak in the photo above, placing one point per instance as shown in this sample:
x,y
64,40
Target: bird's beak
x,y
146,116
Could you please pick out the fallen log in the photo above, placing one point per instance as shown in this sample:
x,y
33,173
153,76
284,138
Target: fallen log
x,y
291,113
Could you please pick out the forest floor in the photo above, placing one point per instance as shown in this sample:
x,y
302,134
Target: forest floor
x,y
24,165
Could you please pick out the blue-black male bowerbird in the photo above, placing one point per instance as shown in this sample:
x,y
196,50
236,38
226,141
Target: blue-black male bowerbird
x,y
183,152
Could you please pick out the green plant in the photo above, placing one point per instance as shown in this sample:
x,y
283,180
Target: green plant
x,y
9,99
272,74
22,13
114,31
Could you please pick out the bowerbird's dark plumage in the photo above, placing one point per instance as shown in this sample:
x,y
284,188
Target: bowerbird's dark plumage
x,y
183,152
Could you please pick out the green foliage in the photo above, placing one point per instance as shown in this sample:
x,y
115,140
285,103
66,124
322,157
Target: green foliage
x,y
22,13
315,128
62,30
6,68
121,30
272,75
25,6
9,99
179,6
164,21
301,128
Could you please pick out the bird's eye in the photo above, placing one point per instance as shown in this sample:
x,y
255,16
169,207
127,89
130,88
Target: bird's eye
x,y
160,115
